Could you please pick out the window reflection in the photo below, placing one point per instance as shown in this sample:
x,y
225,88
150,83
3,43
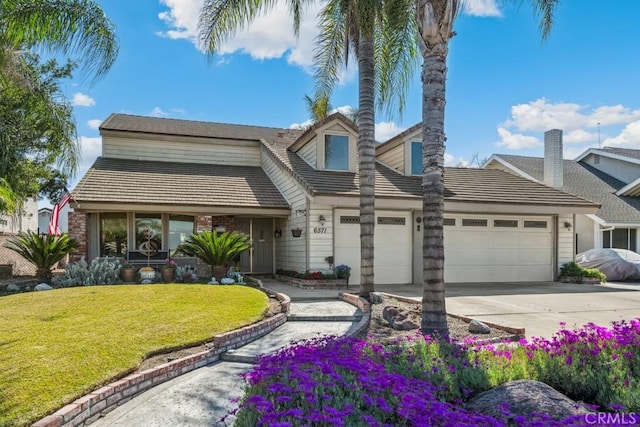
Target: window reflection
x,y
113,234
180,227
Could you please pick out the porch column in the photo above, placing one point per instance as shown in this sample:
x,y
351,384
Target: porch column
x,y
78,231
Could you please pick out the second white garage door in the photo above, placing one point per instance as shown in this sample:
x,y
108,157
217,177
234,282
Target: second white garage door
x,y
498,249
393,245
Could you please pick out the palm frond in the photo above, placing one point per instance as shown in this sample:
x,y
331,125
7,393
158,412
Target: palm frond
x,y
216,249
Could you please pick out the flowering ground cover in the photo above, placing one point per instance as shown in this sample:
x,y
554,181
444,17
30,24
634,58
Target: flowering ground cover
x,y
425,381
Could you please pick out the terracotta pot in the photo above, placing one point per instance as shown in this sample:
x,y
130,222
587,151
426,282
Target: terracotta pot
x,y
128,274
168,274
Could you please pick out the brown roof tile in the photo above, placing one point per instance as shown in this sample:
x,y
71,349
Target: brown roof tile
x,y
133,181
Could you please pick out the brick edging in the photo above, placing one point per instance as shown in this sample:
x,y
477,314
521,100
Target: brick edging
x,y
516,331
364,306
322,284
87,409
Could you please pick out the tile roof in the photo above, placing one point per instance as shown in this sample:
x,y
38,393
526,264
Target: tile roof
x,y
627,152
585,181
461,184
163,126
133,181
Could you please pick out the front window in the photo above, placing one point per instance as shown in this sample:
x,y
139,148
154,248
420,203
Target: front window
x,y
336,152
149,228
416,158
620,238
180,227
113,234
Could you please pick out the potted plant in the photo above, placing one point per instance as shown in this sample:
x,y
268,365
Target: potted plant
x,y
168,270
217,250
128,272
343,272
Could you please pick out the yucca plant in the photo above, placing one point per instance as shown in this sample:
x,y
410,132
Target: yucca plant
x,y
42,251
216,249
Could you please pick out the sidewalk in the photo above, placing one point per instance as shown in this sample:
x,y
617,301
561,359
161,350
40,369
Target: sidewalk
x,y
204,396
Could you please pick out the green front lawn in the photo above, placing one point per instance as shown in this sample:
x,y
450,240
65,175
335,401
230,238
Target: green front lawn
x,y
58,345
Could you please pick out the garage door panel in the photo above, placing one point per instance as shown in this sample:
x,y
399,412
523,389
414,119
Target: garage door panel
x,y
393,247
475,254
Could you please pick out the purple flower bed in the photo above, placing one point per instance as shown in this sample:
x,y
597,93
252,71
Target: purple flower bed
x,y
348,382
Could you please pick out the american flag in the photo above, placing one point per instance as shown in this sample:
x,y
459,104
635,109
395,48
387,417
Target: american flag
x,y
55,215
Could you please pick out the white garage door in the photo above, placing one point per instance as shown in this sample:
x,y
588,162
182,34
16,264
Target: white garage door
x,y
392,241
498,249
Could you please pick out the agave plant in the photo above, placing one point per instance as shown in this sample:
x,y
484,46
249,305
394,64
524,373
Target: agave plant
x,y
216,249
42,251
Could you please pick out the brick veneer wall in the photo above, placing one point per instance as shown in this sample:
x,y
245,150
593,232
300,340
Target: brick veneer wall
x,y
78,231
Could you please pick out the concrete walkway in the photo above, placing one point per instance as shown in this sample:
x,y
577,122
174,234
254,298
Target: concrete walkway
x,y
205,396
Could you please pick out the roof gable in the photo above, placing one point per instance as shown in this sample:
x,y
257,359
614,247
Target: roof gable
x,y
326,123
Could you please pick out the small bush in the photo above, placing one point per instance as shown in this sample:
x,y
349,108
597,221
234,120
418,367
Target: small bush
x,y
102,271
572,269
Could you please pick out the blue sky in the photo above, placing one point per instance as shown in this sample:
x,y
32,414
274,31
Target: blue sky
x,y
505,86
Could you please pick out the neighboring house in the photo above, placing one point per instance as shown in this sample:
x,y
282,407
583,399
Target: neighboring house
x,y
24,220
44,217
297,194
608,176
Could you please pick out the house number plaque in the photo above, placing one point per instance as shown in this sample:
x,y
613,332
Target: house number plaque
x,y
320,230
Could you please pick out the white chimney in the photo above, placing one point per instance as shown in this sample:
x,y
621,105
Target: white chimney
x,y
553,158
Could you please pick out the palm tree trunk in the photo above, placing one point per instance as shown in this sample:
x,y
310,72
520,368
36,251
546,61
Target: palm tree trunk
x,y
434,73
44,275
367,165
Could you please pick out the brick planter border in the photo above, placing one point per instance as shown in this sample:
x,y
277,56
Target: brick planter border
x,y
364,306
314,284
87,409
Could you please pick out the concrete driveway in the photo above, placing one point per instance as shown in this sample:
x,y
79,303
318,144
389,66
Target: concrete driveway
x,y
540,307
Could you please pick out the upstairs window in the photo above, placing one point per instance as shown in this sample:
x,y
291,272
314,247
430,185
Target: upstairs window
x,y
416,158
336,152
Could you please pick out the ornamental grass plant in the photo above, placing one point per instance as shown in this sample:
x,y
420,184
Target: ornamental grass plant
x,y
55,346
425,381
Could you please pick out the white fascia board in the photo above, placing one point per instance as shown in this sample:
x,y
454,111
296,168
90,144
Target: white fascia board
x,y
607,154
508,165
628,187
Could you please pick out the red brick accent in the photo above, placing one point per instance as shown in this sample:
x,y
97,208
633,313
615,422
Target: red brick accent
x,y
228,221
203,223
78,231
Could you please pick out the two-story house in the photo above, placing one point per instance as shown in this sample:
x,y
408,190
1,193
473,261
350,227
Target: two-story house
x,y
608,176
297,194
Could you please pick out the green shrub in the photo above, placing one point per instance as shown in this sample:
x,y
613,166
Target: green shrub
x,y
571,269
43,251
102,271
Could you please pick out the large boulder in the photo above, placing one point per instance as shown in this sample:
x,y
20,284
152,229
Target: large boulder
x,y
42,287
398,318
477,327
525,397
13,287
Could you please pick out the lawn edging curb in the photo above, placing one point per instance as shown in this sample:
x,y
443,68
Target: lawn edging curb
x,y
364,307
88,408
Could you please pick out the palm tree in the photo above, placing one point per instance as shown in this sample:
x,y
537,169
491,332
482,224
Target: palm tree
x,y
217,250
382,34
435,29
43,251
7,197
69,27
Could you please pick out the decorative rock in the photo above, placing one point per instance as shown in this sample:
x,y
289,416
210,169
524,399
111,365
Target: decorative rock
x,y
376,298
13,287
524,397
43,287
213,281
146,282
477,327
227,281
398,319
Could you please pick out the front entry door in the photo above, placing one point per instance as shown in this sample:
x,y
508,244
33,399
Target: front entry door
x,y
259,259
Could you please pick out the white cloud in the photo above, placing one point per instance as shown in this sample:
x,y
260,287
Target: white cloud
x,y
387,130
578,136
82,100
90,149
542,115
94,123
269,36
629,137
179,111
157,112
303,125
481,8
516,141
452,161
